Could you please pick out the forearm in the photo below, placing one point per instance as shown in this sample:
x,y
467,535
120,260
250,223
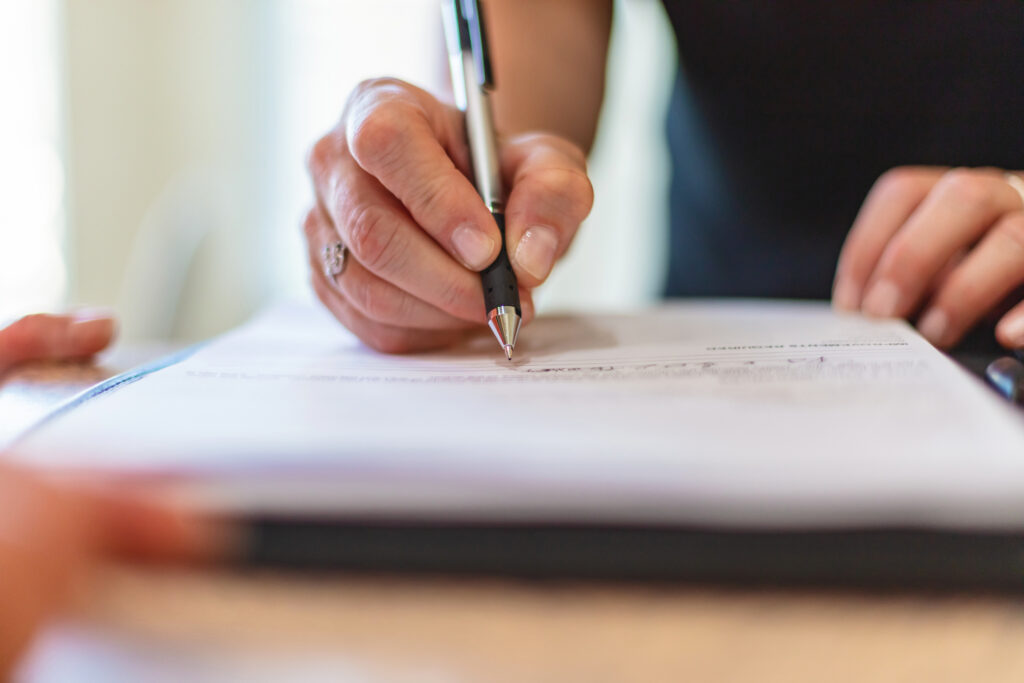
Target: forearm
x,y
549,60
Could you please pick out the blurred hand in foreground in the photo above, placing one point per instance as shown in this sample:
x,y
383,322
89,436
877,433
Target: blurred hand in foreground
x,y
52,536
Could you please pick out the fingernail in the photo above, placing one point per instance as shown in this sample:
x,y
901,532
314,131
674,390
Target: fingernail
x,y
847,296
1013,329
90,332
473,246
82,315
933,325
536,251
883,299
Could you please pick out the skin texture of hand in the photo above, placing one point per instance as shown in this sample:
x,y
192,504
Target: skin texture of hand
x,y
391,183
947,244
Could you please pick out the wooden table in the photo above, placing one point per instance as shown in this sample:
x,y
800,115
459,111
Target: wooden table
x,y
263,626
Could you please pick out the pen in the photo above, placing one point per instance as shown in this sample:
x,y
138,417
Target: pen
x,y
472,81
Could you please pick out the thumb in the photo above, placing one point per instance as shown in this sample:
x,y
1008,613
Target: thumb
x,y
550,196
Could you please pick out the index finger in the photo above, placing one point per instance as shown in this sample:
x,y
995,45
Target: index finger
x,y
54,337
403,137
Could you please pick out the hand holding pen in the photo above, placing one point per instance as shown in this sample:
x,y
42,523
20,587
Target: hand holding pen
x,y
399,234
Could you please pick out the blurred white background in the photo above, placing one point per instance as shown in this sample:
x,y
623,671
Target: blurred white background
x,y
153,151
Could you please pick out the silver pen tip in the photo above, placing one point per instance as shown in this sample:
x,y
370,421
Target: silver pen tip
x,y
504,322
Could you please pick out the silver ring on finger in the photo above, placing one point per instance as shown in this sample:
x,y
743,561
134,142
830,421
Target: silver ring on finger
x,y
335,256
1017,183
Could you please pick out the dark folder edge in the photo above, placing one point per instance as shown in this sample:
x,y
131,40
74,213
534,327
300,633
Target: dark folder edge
x,y
900,558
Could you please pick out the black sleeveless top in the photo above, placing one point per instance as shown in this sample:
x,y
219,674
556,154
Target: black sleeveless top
x,y
785,112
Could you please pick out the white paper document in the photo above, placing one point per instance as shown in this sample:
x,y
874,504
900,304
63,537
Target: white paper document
x,y
732,413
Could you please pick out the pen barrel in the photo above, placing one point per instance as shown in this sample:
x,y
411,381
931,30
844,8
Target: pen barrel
x,y
483,146
499,280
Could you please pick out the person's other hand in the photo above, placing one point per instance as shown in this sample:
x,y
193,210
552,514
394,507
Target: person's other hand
x,y
54,337
948,243
51,537
391,183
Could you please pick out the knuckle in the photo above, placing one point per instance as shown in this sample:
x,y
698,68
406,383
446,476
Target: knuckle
x,y
965,186
375,137
374,133
372,237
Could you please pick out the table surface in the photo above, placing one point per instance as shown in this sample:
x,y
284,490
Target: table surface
x,y
224,624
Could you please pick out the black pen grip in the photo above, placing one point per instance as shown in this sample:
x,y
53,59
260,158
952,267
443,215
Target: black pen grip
x,y
499,281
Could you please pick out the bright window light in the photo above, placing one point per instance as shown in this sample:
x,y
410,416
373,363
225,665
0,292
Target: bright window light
x,y
32,270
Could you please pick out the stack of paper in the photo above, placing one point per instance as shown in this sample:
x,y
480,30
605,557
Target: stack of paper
x,y
732,413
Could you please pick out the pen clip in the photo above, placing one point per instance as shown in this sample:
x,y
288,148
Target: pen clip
x,y
472,13
457,38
